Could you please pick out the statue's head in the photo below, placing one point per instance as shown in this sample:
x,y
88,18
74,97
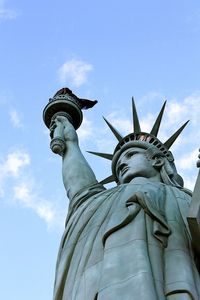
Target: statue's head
x,y
142,154
139,159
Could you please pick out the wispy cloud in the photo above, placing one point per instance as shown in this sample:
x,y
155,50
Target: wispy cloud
x,y
74,71
189,181
188,161
12,164
17,181
151,96
120,122
86,130
26,195
15,118
6,13
177,112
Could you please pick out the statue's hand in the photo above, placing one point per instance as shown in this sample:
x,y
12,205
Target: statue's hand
x,y
66,130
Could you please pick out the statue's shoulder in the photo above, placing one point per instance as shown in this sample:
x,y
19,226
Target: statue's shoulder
x,y
181,193
96,190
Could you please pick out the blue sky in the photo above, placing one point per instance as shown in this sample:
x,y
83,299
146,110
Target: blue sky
x,y
104,50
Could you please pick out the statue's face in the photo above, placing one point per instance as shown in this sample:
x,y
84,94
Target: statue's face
x,y
134,163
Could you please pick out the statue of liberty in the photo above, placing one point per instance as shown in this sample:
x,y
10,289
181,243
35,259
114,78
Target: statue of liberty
x,y
132,241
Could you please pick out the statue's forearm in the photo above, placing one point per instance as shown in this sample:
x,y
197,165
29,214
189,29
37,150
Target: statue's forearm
x,y
77,173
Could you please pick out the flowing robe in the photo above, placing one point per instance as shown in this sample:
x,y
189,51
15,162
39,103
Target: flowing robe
x,y
129,242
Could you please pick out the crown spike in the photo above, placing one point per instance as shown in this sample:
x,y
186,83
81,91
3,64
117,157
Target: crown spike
x,y
136,124
108,180
156,126
172,139
114,131
104,155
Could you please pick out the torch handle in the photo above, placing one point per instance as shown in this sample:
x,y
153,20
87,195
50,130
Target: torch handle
x,y
57,144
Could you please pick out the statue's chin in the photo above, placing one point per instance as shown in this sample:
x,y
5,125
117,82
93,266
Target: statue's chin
x,y
129,175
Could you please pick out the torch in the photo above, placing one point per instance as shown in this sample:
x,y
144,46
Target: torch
x,y
64,103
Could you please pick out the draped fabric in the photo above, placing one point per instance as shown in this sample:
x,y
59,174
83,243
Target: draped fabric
x,y
129,242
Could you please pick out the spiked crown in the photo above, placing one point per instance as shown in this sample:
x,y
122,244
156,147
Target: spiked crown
x,y
139,139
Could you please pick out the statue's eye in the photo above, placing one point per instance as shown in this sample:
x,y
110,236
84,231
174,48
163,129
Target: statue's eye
x,y
130,154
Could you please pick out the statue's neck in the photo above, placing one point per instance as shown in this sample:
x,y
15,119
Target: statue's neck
x,y
144,180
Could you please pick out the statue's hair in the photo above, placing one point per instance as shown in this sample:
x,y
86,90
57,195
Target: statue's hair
x,y
168,171
170,176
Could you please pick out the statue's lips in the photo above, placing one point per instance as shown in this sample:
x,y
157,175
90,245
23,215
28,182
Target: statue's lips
x,y
124,170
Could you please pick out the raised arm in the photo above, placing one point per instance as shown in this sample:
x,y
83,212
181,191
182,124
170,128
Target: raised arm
x,y
76,171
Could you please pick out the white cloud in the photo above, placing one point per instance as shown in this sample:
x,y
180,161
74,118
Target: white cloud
x,y
6,13
86,130
74,71
26,195
147,122
105,140
11,167
188,161
151,96
18,184
105,144
189,182
175,111
120,122
181,111
13,163
15,118
190,176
